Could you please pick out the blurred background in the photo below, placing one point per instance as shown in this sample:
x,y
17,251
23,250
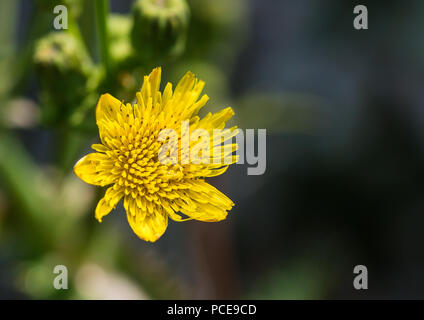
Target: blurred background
x,y
344,113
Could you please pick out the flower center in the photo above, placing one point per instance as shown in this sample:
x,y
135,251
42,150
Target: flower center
x,y
141,174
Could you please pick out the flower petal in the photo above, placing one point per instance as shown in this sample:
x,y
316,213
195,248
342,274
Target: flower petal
x,y
170,211
147,226
110,110
94,168
108,202
184,99
107,107
150,87
100,147
204,202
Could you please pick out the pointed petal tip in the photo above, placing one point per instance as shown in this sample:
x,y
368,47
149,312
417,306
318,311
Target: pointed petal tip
x,y
107,97
230,110
157,69
77,166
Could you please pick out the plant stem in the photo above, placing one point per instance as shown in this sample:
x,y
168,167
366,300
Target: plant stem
x,y
102,11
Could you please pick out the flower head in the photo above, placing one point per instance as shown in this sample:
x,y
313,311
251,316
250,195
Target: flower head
x,y
127,160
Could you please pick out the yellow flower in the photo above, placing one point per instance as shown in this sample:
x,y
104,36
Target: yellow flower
x,y
128,157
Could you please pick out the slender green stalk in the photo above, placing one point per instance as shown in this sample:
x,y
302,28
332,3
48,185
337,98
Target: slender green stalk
x,y
102,11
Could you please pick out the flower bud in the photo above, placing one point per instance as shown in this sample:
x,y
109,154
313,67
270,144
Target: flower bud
x,y
159,28
63,67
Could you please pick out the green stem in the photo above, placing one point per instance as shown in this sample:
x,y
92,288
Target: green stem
x,y
102,11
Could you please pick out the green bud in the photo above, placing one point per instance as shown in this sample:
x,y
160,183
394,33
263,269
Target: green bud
x,y
63,67
61,52
159,28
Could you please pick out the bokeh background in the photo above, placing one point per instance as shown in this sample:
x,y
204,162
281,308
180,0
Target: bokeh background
x,y
344,113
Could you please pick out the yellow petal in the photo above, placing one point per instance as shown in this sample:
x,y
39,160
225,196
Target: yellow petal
x,y
171,212
150,87
107,110
147,226
208,204
185,84
99,147
92,169
108,202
